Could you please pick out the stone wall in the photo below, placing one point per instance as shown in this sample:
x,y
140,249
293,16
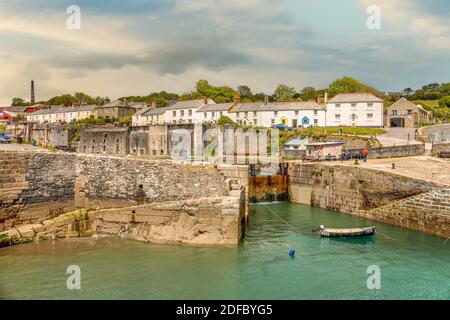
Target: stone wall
x,y
207,220
35,186
108,140
212,220
428,212
362,191
440,147
436,134
394,151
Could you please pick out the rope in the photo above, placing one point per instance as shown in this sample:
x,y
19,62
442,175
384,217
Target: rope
x,y
385,235
275,214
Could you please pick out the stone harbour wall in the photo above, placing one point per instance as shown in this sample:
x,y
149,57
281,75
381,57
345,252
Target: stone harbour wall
x,y
393,151
374,194
440,147
36,186
208,221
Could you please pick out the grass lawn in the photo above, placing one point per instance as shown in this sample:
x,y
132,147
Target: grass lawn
x,y
433,105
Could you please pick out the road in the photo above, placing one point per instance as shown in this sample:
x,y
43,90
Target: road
x,y
397,137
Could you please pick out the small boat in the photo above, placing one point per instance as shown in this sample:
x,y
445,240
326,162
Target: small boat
x,y
346,232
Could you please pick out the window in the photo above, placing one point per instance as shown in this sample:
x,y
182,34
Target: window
x,y
353,117
237,114
254,113
221,113
353,105
272,121
246,114
205,114
315,112
337,116
370,116
394,112
316,121
275,113
182,113
337,105
255,121
370,105
174,113
189,120
213,114
409,111
296,112
190,112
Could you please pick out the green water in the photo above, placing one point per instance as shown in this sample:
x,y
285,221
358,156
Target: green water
x,y
413,265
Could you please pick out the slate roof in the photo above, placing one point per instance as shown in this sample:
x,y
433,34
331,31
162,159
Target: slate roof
x,y
189,104
355,97
215,107
60,109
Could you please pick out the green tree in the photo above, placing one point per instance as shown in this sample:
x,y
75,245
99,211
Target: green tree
x,y
18,102
245,92
445,102
308,93
284,93
350,85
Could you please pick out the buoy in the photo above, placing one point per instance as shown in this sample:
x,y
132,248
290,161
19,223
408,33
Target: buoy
x,y
291,252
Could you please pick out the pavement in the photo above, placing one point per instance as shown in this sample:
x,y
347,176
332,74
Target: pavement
x,y
19,147
397,137
419,167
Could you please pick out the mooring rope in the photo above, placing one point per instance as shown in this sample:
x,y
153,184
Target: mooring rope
x,y
385,235
275,214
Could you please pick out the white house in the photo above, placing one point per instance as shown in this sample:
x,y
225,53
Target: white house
x,y
149,116
355,109
61,114
185,111
213,112
268,114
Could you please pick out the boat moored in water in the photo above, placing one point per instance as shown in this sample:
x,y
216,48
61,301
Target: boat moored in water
x,y
346,232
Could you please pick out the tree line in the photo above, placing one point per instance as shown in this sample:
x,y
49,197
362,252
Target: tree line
x,y
282,93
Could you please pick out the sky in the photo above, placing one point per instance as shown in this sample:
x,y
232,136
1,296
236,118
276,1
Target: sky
x,y
135,47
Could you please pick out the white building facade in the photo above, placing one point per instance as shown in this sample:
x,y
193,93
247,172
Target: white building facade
x,y
292,114
355,110
61,114
185,111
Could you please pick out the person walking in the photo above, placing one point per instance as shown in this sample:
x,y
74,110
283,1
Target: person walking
x,y
364,155
360,154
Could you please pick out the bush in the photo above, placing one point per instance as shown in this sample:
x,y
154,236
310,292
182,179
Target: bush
x,y
223,120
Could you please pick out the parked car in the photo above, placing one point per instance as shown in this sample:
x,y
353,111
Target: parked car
x,y
283,127
5,139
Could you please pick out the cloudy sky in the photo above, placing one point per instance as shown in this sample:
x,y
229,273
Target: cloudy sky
x,y
135,47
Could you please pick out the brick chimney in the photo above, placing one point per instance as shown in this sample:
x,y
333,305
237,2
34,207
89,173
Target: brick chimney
x,y
266,99
205,100
318,99
237,99
153,105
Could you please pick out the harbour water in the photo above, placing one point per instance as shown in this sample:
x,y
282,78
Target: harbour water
x,y
413,265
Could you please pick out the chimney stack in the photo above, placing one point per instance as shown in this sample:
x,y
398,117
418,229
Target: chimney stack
x,y
125,102
266,99
326,97
318,99
237,99
32,92
153,105
205,100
